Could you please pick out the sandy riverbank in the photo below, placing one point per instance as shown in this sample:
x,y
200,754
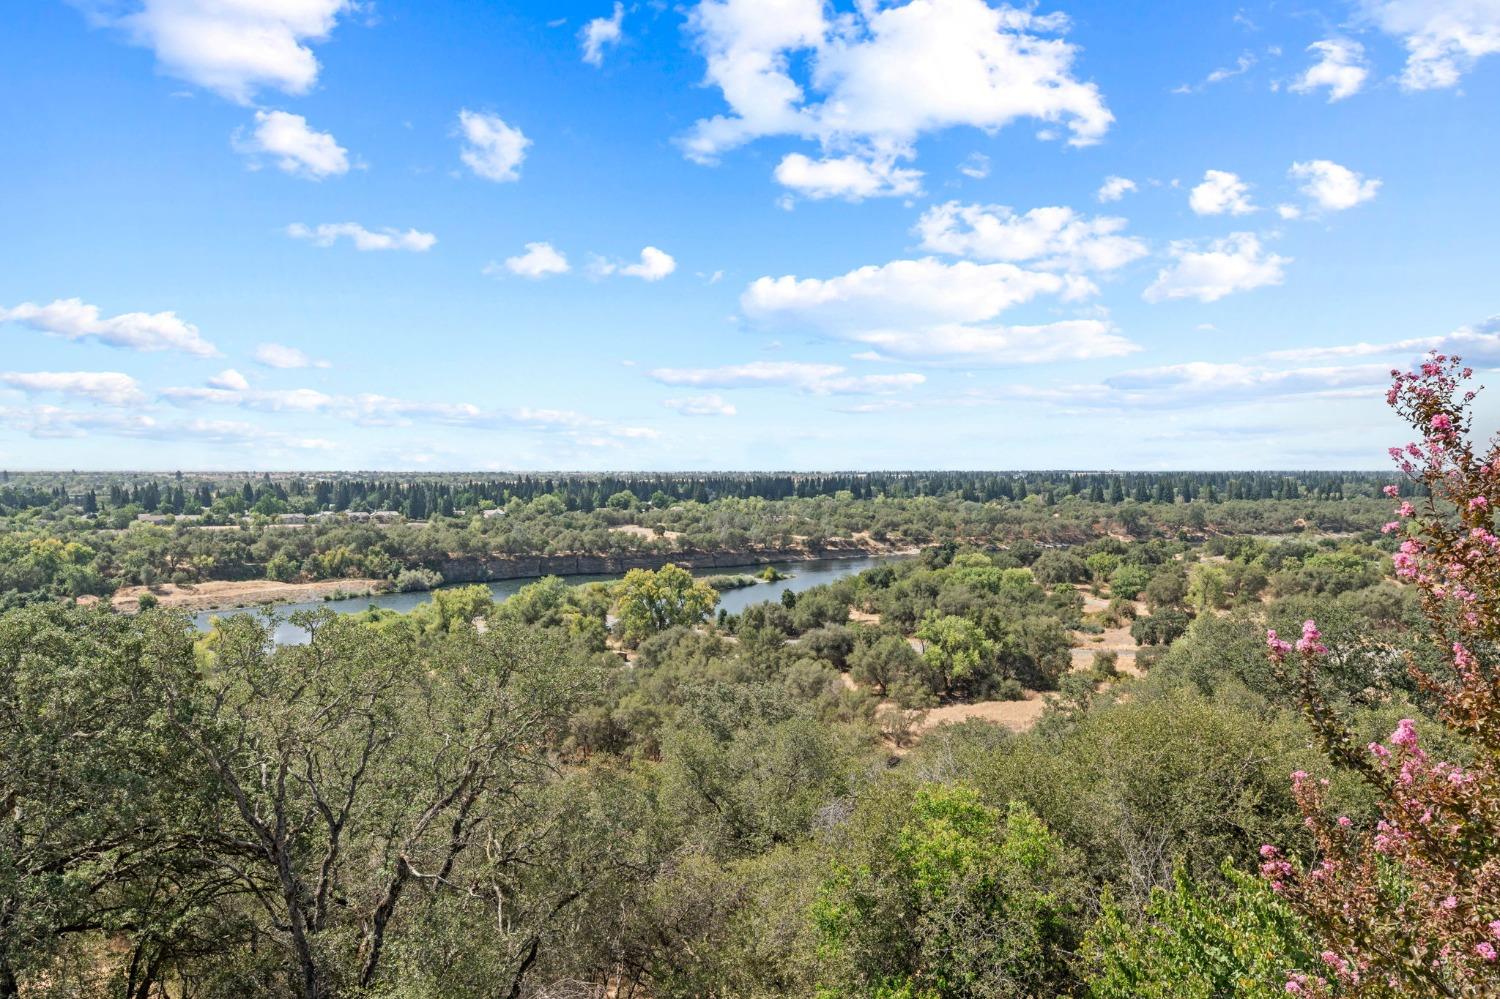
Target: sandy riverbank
x,y
224,594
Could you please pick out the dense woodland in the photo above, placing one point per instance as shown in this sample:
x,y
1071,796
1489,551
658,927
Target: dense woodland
x,y
414,806
76,535
611,790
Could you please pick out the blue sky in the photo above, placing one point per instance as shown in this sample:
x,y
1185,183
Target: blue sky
x,y
736,233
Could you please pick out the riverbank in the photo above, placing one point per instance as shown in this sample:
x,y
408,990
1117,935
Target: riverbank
x,y
231,594
235,595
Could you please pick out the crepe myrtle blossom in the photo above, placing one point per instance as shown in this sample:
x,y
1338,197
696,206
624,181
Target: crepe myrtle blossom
x,y
1409,904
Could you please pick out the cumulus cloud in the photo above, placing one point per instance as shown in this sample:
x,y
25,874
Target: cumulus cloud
x,y
653,265
363,239
1341,67
297,148
229,379
109,387
234,49
1332,187
279,355
1443,38
1054,238
540,260
600,33
880,76
901,291
934,311
1235,263
701,405
1115,188
1221,192
73,319
491,148
815,379
852,178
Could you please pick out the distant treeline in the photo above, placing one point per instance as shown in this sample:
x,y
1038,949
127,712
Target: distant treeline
x,y
421,496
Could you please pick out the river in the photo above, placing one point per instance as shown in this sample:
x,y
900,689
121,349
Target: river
x,y
801,576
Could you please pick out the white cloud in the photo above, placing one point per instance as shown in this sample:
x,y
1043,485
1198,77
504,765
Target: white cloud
x,y
47,422
1358,370
852,178
816,379
363,239
540,260
937,312
303,400
1288,212
880,76
901,291
600,33
1220,192
491,148
653,266
1331,186
1479,345
1067,340
1241,65
1341,67
1234,263
382,410
234,48
229,379
299,149
109,387
580,428
1197,382
72,319
975,166
1115,188
701,405
1443,38
1052,238
278,355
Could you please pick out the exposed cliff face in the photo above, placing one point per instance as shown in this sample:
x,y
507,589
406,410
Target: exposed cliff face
x,y
494,567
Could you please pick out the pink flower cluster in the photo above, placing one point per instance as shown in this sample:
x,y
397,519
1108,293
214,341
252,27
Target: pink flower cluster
x,y
1308,644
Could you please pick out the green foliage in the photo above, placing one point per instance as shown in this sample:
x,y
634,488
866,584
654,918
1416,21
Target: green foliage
x,y
955,649
1129,581
1197,941
932,893
649,602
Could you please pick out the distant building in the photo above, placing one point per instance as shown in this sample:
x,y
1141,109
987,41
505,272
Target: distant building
x,y
386,517
358,516
291,519
150,518
491,514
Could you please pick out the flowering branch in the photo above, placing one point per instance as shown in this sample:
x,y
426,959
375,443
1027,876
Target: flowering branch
x,y
1412,906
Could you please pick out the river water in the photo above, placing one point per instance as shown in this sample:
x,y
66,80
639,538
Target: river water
x,y
802,576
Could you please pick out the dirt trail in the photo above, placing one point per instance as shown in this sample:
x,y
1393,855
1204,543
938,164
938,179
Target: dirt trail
x,y
1018,716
